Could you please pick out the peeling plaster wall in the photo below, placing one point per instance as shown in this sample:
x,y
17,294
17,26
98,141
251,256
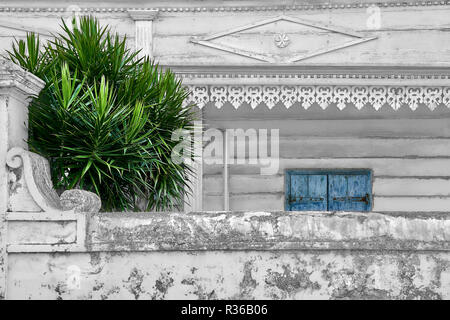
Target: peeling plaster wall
x,y
243,255
232,275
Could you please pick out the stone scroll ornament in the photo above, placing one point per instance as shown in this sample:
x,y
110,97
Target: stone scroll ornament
x,y
36,174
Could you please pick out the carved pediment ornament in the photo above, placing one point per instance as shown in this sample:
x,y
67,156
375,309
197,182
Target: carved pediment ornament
x,y
282,40
342,38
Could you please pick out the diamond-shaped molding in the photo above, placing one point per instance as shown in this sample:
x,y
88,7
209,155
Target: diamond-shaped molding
x,y
269,52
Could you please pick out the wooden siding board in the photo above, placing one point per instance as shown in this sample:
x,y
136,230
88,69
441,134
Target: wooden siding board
x,y
385,167
352,147
411,187
412,204
387,128
396,186
275,201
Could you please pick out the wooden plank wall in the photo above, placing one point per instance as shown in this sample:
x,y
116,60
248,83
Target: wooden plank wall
x,y
15,25
408,35
409,153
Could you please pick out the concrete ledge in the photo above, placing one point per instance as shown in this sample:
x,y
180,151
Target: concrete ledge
x,y
266,231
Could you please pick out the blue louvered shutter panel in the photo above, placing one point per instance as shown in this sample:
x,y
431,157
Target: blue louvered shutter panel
x,y
308,192
349,192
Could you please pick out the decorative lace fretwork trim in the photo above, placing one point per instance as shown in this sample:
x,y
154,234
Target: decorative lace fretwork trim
x,y
306,96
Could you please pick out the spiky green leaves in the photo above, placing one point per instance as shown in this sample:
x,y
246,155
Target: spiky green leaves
x,y
105,118
30,55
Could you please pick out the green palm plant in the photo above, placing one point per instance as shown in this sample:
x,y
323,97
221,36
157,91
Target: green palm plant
x,y
105,117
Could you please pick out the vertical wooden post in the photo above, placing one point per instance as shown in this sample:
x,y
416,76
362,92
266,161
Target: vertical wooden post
x,y
16,86
144,30
226,195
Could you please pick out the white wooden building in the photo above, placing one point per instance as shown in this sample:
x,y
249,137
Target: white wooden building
x,y
358,90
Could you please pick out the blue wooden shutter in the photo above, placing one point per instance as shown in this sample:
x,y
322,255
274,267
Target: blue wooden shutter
x,y
307,192
349,192
335,190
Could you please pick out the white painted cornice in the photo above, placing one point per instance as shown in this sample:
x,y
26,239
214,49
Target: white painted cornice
x,y
235,8
294,74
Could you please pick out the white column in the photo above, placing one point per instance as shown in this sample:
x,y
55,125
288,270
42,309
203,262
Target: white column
x,y
144,30
16,86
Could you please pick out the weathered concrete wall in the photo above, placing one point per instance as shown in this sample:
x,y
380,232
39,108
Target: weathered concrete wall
x,y
232,275
266,231
244,256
